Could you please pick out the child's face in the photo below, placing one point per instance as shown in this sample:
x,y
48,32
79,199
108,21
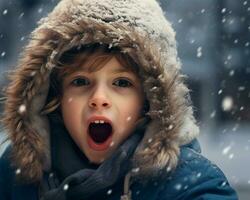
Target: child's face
x,y
110,93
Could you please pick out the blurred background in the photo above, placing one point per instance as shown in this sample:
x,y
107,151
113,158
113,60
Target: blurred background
x,y
214,46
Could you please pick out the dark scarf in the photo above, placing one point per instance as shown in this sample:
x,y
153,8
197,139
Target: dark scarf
x,y
74,177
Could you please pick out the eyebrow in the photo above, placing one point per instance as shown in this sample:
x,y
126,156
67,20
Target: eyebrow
x,y
120,70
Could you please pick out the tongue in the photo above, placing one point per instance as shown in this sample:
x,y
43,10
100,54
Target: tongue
x,y
100,132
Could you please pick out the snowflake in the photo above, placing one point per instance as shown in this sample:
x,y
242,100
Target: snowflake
x,y
112,144
3,54
22,108
223,183
223,10
199,52
231,156
70,99
180,20
150,140
136,170
178,186
65,187
18,171
231,73
5,12
212,115
129,118
226,150
227,103
40,10
109,192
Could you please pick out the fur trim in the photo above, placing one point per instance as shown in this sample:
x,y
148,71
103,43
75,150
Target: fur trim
x,y
151,45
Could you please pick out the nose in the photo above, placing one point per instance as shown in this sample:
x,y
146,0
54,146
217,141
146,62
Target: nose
x,y
99,100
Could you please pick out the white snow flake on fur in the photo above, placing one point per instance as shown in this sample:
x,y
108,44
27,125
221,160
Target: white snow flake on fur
x,y
22,109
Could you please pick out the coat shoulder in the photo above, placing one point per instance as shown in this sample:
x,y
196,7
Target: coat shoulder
x,y
196,177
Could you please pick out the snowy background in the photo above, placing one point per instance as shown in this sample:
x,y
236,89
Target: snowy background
x,y
214,46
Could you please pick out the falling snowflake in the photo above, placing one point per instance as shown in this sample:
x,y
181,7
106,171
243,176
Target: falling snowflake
x,y
223,10
223,183
178,186
3,54
40,10
22,38
226,150
231,156
212,115
199,52
149,140
109,192
203,10
136,170
231,73
198,175
229,57
168,169
236,41
18,171
65,187
192,41
235,127
5,12
220,91
112,144
21,16
245,3
129,118
227,103
180,20
70,99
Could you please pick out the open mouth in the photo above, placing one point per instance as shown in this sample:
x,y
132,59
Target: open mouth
x,y
100,132
99,136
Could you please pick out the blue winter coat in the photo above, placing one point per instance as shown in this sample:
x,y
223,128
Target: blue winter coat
x,y
195,178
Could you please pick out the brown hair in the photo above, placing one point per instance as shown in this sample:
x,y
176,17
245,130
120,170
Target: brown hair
x,y
93,56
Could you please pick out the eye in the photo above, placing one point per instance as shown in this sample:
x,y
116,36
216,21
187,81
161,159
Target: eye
x,y
123,83
80,82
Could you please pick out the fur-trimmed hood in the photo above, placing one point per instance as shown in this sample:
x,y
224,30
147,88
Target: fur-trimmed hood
x,y
139,29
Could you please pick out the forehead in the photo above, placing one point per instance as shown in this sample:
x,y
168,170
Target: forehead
x,y
112,63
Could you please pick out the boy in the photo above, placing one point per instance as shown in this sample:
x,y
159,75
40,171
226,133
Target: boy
x,y
97,109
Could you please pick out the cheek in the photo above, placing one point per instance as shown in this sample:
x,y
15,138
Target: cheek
x,y
130,113
71,114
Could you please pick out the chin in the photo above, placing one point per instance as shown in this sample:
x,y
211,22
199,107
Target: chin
x,y
96,159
